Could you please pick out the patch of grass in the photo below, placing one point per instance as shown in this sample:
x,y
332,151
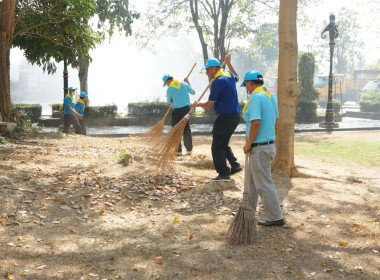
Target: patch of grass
x,y
3,140
363,152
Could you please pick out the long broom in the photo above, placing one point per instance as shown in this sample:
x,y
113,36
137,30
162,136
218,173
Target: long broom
x,y
168,145
243,228
155,132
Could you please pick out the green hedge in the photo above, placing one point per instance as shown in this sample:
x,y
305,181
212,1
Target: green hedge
x,y
148,109
370,101
306,111
29,111
100,111
336,106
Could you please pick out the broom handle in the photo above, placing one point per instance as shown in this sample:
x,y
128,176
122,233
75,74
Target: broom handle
x,y
188,75
208,86
245,172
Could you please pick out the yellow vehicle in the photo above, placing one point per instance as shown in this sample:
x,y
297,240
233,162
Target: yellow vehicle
x,y
345,87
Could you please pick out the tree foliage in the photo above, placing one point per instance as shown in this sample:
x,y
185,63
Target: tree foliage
x,y
216,23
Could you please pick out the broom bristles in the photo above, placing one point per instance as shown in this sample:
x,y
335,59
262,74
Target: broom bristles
x,y
153,135
168,145
243,228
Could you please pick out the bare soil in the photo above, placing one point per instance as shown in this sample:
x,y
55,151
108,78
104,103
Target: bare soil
x,y
70,210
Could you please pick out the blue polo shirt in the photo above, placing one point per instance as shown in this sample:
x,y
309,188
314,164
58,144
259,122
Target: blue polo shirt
x,y
223,92
260,107
68,101
178,94
80,107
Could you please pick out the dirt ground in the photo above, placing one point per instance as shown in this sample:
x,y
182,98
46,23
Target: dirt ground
x,y
70,210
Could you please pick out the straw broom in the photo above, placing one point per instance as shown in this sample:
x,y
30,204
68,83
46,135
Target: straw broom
x,y
243,228
168,146
155,132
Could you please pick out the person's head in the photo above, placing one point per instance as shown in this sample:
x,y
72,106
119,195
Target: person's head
x,y
71,90
167,79
252,80
212,67
83,95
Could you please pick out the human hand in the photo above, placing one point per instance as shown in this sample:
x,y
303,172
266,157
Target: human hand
x,y
227,59
195,104
187,80
247,148
80,117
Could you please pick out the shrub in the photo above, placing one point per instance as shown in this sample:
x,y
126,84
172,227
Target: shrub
x,y
370,101
29,111
100,111
336,106
57,110
148,109
306,110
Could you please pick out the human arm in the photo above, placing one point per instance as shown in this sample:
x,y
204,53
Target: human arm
x,y
74,112
230,67
205,105
255,125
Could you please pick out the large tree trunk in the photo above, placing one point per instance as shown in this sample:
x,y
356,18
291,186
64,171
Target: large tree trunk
x,y
287,92
195,16
83,65
7,9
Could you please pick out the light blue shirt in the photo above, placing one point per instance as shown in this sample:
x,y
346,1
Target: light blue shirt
x,y
178,94
68,100
264,109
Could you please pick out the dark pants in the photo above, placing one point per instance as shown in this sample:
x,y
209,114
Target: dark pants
x,y
83,130
177,115
224,127
71,119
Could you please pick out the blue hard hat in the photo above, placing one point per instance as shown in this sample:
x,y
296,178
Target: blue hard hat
x,y
211,62
83,94
72,88
252,76
165,77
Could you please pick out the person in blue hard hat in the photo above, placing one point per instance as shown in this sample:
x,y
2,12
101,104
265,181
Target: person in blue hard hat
x,y
178,98
70,116
224,99
260,114
80,106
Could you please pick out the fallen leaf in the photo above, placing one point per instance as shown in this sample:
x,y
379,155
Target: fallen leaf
x,y
176,219
158,260
134,269
341,243
289,270
328,270
41,267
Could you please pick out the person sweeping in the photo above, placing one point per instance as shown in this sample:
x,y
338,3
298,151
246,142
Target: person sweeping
x,y
178,98
260,114
153,135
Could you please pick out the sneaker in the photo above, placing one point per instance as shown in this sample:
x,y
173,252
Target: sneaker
x,y
236,169
221,178
189,153
268,223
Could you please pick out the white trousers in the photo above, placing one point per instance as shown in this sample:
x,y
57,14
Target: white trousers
x,y
259,181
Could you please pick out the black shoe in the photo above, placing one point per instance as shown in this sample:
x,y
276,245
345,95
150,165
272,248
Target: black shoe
x,y
236,169
221,178
268,223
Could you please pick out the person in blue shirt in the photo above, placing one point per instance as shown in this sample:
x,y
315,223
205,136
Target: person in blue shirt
x,y
224,99
178,98
260,114
70,116
79,107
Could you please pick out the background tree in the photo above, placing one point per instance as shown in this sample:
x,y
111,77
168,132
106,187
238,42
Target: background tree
x,y
216,22
287,88
46,31
112,15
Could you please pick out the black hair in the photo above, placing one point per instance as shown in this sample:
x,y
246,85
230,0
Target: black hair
x,y
258,82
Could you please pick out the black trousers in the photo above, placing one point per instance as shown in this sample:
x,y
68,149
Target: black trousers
x,y
83,130
177,115
224,127
71,119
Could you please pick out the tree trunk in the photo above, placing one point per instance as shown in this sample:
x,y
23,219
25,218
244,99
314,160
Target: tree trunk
x,y
7,9
287,92
195,17
83,65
